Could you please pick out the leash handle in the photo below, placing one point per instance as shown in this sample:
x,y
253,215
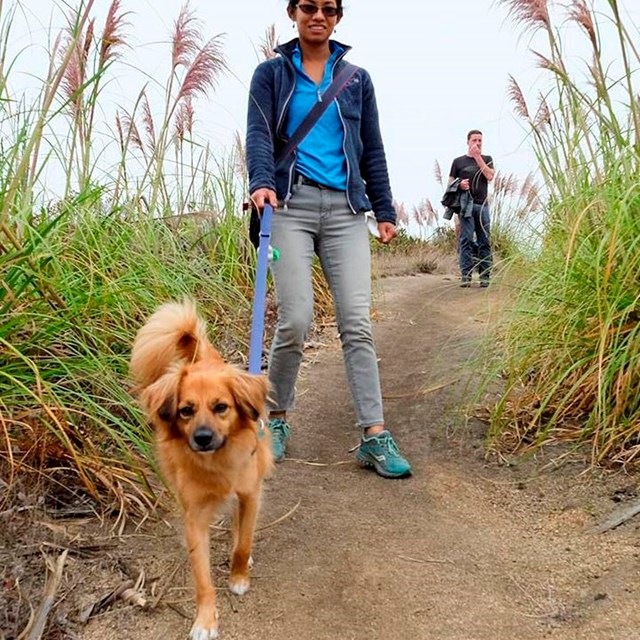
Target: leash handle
x,y
260,292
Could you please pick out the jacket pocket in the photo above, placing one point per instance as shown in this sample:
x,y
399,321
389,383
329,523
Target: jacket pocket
x,y
350,101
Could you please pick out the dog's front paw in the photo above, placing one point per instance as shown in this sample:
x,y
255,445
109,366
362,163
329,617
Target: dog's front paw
x,y
205,627
239,585
200,633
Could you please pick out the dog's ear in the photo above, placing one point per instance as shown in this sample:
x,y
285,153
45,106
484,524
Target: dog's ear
x,y
250,393
161,398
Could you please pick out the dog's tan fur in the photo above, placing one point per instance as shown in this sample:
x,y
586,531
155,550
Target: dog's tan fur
x,y
184,385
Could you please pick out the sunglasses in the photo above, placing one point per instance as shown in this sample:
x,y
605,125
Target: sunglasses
x,y
312,9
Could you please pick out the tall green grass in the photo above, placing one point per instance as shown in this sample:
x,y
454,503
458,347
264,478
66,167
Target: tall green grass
x,y
571,345
80,274
159,219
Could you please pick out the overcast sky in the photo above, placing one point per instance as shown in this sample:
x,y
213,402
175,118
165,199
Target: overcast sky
x,y
440,68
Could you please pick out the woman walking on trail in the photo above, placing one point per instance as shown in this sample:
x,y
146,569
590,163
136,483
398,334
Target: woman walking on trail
x,y
322,191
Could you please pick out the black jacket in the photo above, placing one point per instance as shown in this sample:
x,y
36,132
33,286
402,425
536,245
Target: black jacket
x,y
455,200
451,199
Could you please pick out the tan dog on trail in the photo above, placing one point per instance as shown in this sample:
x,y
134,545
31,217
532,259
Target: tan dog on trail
x,y
210,440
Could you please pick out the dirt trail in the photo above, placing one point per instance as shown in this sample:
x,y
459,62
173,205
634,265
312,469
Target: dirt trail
x,y
464,550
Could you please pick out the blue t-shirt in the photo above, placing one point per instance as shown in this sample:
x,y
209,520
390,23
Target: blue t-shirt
x,y
320,154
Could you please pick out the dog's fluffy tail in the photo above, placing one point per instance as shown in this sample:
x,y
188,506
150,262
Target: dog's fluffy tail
x,y
174,334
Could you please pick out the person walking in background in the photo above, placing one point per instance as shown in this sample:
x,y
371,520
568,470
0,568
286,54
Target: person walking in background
x,y
322,192
475,171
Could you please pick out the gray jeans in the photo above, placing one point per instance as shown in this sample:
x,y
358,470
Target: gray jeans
x,y
320,221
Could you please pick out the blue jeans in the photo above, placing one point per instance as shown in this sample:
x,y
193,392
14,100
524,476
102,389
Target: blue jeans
x,y
477,224
319,221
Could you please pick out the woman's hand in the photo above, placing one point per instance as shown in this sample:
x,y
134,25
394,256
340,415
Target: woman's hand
x,y
387,232
263,196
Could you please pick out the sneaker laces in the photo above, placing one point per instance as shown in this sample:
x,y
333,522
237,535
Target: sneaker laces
x,y
279,426
385,440
390,444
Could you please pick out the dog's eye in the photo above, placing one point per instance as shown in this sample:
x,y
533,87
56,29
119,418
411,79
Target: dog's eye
x,y
221,407
185,412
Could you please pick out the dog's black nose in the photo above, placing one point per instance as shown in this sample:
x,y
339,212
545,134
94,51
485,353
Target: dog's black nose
x,y
203,437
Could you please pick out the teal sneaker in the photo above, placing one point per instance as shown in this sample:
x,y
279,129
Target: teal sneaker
x,y
381,452
279,435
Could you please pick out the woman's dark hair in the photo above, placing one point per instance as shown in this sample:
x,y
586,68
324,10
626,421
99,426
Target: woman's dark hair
x,y
294,3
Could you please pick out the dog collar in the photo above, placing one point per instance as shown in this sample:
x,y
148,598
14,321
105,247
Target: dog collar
x,y
260,430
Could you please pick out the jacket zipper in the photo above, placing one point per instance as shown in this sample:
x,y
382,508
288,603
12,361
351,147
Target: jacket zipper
x,y
344,136
279,128
346,157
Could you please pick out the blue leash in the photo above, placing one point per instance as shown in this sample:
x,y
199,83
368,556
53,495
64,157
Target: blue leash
x,y
260,291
